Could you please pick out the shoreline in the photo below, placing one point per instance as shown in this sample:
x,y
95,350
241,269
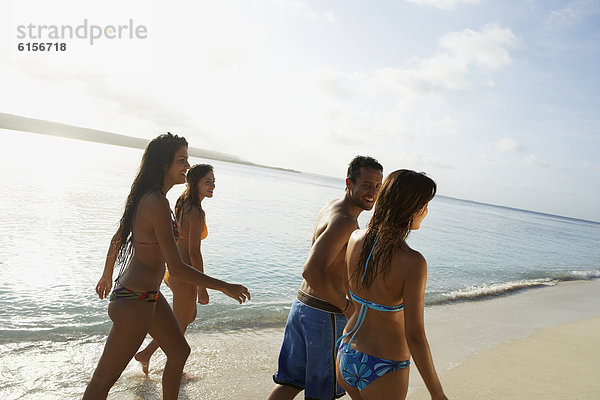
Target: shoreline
x,y
477,347
225,365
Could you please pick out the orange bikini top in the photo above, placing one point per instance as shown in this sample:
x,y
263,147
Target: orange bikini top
x,y
202,236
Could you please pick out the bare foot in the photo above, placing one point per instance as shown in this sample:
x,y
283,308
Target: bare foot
x,y
145,361
189,377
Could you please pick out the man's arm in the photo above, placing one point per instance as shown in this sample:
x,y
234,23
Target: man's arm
x,y
322,255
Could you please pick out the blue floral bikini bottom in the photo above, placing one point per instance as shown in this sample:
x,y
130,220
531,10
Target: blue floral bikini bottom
x,y
360,369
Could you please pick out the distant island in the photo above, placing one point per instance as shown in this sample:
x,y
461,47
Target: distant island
x,y
32,125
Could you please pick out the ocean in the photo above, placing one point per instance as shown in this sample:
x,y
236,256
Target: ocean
x,y
62,199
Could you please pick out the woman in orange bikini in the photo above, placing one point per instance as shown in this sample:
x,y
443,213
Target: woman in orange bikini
x,y
144,241
192,221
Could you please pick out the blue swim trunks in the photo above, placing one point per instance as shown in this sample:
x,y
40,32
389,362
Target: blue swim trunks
x,y
308,353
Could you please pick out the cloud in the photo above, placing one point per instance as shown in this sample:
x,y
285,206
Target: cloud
x,y
361,125
486,49
591,166
574,12
485,158
508,145
463,53
464,59
443,4
342,85
143,105
305,10
535,160
402,105
329,17
423,161
361,109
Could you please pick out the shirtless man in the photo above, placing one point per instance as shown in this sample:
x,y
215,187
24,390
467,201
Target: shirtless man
x,y
319,314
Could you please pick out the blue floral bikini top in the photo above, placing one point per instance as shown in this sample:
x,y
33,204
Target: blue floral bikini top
x,y
366,304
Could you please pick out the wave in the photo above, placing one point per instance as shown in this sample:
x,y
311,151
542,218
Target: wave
x,y
218,317
580,275
481,292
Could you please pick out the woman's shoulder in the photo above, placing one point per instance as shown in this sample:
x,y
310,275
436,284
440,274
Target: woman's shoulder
x,y
358,235
194,214
410,258
154,200
356,239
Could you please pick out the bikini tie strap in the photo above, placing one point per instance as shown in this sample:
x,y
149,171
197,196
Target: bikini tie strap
x,y
363,308
368,258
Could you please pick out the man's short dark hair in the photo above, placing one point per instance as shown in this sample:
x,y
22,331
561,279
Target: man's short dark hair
x,y
362,162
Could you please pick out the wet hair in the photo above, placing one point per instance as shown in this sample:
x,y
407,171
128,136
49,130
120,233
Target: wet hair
x,y
403,195
189,198
157,158
362,162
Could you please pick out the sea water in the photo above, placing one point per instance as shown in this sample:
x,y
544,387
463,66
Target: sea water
x,y
61,200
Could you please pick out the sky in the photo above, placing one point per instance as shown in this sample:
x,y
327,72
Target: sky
x,y
497,101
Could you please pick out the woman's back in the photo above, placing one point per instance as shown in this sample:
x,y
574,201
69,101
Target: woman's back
x,y
382,333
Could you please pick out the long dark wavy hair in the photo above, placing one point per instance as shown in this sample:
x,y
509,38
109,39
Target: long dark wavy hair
x,y
189,198
157,158
403,195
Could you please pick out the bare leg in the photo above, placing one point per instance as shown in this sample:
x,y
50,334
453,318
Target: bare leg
x,y
393,385
166,331
131,321
184,307
143,357
283,392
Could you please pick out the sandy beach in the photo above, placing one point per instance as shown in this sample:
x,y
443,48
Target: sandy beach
x,y
547,338
562,362
540,343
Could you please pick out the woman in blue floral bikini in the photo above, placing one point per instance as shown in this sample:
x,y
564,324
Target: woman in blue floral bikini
x,y
387,283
